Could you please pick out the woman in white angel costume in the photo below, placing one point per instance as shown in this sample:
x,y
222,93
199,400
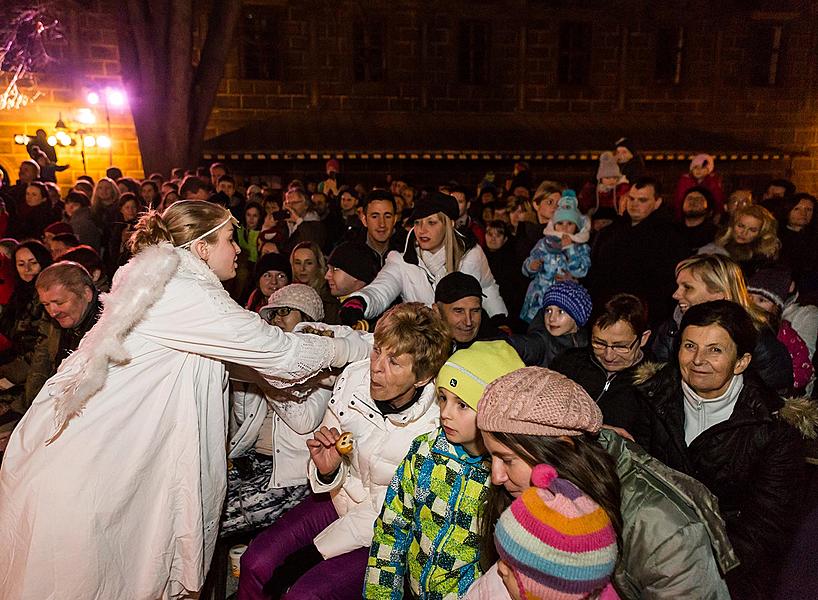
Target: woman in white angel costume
x,y
112,484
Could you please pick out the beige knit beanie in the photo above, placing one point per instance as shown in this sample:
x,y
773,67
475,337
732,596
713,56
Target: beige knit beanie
x,y
537,401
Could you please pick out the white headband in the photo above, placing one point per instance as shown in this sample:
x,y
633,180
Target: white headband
x,y
206,233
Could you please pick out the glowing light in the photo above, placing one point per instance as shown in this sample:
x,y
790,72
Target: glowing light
x,y
104,141
116,97
63,138
90,141
21,139
52,140
86,116
93,98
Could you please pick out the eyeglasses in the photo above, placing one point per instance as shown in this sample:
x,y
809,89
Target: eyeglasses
x,y
598,344
282,311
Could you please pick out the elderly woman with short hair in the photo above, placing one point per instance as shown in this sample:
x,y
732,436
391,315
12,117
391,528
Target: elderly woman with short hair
x,y
320,548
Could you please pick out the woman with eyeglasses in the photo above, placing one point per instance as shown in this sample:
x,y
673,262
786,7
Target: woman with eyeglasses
x,y
269,427
619,332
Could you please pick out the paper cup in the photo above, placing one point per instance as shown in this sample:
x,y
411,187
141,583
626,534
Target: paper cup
x,y
235,559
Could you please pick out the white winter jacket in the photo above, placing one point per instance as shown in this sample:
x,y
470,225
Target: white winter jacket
x,y
380,444
415,283
125,502
297,413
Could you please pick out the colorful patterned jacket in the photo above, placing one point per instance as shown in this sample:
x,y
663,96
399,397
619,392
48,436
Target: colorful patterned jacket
x,y
428,530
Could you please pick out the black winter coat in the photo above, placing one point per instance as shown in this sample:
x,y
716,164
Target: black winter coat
x,y
538,348
753,463
771,359
638,259
615,393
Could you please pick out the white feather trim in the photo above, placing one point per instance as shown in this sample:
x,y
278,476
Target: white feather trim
x,y
136,287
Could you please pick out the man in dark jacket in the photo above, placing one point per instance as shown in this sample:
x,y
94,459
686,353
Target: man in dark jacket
x,y
638,254
711,418
69,296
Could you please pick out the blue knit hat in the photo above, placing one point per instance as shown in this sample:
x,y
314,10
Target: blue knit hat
x,y
567,209
570,297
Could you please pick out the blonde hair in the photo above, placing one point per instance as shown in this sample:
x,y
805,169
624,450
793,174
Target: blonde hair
x,y
179,223
415,329
317,280
766,244
454,244
721,274
96,203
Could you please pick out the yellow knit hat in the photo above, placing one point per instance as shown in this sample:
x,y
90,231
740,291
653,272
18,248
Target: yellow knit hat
x,y
467,372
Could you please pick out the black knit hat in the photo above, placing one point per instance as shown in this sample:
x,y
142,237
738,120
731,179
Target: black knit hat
x,y
773,284
456,286
356,259
436,202
273,262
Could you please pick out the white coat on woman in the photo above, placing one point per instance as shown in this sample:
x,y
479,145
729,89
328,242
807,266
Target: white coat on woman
x,y
113,482
380,445
415,281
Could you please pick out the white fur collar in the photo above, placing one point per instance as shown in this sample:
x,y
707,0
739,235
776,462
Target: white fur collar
x,y
136,287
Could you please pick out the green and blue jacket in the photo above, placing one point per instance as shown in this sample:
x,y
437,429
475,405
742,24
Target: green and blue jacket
x,y
427,535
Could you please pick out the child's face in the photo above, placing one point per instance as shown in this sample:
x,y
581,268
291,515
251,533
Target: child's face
x,y
459,422
558,322
699,171
495,238
568,227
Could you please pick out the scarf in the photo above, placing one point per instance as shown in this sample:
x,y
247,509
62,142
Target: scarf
x,y
435,262
703,413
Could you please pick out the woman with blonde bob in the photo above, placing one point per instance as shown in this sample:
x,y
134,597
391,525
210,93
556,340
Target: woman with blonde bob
x,y
433,250
751,238
709,277
309,265
113,482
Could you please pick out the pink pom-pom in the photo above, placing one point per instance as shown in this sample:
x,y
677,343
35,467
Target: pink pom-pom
x,y
543,475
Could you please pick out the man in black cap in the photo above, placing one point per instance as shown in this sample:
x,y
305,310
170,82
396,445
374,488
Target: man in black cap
x,y
459,300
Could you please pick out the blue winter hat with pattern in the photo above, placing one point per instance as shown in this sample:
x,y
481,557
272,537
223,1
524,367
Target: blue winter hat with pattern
x,y
567,209
572,298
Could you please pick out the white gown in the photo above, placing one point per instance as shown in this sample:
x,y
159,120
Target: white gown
x,y
125,502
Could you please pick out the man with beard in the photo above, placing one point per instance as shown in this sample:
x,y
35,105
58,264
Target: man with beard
x,y
697,227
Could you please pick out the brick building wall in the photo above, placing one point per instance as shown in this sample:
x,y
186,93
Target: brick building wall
x,y
314,71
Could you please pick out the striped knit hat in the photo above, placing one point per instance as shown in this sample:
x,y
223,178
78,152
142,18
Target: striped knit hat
x,y
558,542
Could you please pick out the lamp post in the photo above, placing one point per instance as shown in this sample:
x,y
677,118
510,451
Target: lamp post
x,y
110,97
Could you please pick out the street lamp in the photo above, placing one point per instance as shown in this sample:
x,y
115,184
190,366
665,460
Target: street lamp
x,y
110,98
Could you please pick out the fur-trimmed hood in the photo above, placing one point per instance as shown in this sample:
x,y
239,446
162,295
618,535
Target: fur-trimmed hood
x,y
800,412
136,287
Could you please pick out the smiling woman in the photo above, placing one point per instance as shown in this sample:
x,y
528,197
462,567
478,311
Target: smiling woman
x,y
713,418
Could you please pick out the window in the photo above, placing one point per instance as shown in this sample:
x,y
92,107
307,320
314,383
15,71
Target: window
x,y
260,47
574,65
766,46
473,42
368,50
670,46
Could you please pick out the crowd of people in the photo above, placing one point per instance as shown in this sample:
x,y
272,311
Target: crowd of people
x,y
508,391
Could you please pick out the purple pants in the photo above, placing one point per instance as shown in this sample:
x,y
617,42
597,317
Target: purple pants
x,y
338,578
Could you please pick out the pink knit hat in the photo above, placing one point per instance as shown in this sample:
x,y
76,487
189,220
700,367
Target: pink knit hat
x,y
537,401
